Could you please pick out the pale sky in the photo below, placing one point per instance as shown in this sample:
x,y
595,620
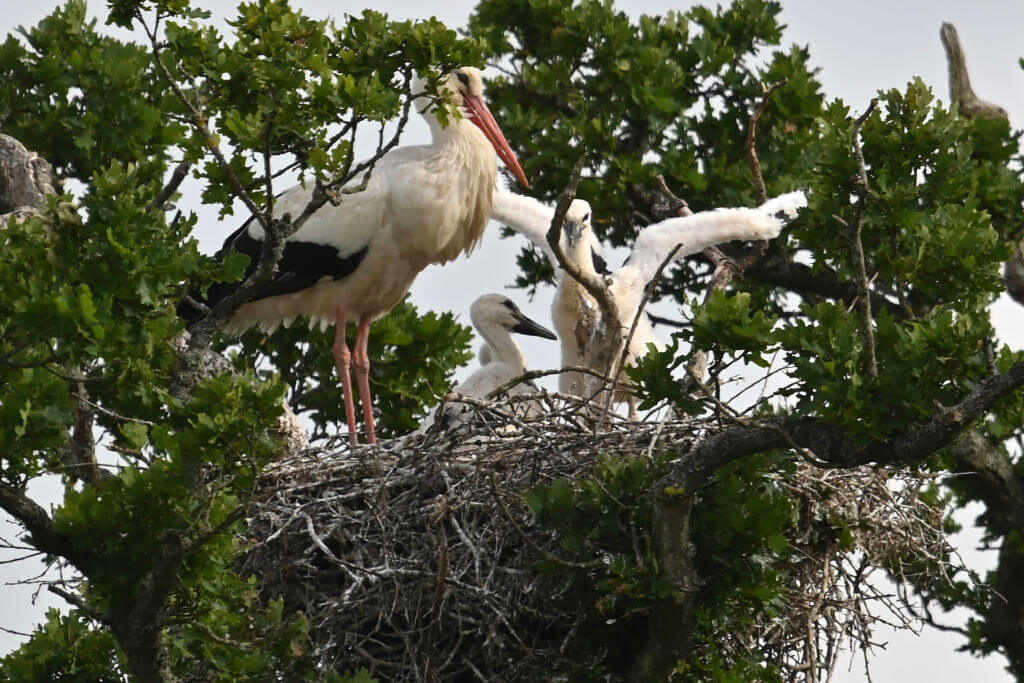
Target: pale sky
x,y
860,48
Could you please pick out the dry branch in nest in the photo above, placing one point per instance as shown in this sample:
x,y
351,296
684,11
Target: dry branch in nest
x,y
833,595
419,560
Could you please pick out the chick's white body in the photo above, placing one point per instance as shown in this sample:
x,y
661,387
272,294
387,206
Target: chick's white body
x,y
496,318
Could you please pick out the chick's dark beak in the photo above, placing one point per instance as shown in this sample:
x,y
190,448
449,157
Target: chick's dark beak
x,y
573,230
527,326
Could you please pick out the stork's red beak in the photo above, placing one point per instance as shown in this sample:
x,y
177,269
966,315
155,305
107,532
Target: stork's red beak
x,y
484,120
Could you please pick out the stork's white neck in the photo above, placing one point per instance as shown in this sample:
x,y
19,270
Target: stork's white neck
x,y
457,126
503,347
579,253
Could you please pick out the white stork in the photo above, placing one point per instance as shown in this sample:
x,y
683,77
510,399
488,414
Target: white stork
x,y
575,312
495,318
356,259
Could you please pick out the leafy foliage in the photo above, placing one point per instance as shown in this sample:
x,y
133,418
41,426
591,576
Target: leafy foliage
x,y
58,80
66,648
90,344
674,97
656,96
413,360
90,347
603,523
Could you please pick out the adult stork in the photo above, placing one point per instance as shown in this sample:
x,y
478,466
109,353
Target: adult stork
x,y
496,318
355,260
574,310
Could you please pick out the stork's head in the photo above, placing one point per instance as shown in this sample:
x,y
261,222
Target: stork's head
x,y
578,239
577,221
497,310
465,85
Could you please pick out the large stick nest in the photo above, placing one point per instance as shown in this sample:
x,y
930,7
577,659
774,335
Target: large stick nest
x,y
419,559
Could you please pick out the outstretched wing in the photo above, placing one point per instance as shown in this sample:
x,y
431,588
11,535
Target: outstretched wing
x,y
527,216
785,207
707,228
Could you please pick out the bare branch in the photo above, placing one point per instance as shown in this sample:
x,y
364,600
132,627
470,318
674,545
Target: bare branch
x,y
177,177
960,90
755,164
856,247
79,603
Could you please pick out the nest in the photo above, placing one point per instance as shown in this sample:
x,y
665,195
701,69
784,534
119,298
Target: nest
x,y
418,559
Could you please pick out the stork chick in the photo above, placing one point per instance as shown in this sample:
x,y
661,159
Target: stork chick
x,y
495,318
575,311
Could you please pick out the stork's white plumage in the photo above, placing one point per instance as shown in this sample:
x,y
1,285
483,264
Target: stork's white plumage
x,y
356,259
574,312
495,318
626,285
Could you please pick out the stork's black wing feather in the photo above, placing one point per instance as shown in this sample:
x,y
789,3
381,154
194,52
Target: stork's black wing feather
x,y
302,265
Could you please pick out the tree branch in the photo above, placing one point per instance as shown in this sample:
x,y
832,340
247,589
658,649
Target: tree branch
x,y
177,177
833,446
853,229
960,90
755,163
33,517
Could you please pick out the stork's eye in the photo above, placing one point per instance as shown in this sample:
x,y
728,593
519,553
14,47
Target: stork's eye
x,y
507,303
586,217
463,78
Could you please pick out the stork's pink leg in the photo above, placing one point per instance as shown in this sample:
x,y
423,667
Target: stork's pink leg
x,y
343,358
361,363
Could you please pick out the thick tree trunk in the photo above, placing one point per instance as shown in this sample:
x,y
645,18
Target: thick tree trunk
x,y
25,177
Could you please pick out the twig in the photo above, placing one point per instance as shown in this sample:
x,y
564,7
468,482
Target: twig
x,y
853,233
531,375
755,164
